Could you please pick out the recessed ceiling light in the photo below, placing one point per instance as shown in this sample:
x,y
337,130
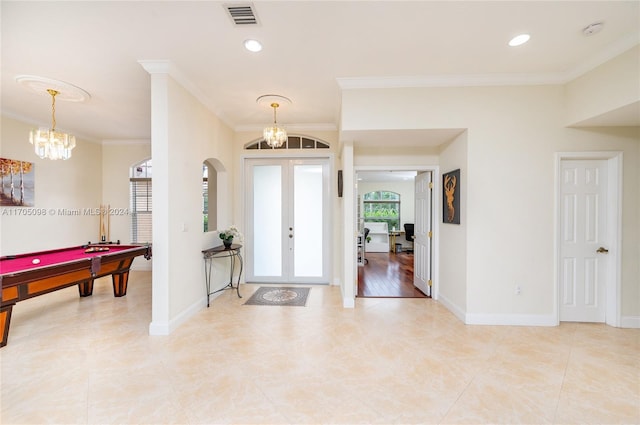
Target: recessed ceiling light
x,y
519,39
252,45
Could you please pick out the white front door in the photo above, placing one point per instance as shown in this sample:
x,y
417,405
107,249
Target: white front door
x,y
288,220
422,232
583,240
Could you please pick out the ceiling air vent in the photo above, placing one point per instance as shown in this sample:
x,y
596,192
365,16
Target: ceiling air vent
x,y
242,14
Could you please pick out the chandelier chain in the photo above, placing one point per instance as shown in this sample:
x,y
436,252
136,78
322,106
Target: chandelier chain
x,y
53,94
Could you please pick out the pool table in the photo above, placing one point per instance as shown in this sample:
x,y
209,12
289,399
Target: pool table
x,y
29,275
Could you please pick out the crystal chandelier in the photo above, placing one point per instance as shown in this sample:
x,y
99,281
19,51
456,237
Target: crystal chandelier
x,y
275,136
50,143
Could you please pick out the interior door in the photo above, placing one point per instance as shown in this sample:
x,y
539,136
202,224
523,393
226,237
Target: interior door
x,y
583,247
288,220
422,231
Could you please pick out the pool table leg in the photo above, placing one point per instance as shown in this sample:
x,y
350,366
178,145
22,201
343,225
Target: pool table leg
x,y
5,320
120,281
85,288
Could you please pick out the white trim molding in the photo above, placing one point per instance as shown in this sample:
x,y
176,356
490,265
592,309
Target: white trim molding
x,y
166,328
630,322
511,319
453,308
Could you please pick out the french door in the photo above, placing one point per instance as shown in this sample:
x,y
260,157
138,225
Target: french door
x,y
422,233
287,220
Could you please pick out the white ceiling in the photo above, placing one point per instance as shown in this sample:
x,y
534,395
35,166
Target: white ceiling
x,y
311,50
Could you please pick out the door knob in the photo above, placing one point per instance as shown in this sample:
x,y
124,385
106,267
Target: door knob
x,y
602,250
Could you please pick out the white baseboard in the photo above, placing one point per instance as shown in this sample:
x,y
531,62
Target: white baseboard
x,y
156,328
453,308
630,322
498,319
348,302
166,328
511,319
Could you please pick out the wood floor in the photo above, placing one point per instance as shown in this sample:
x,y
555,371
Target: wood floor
x,y
387,275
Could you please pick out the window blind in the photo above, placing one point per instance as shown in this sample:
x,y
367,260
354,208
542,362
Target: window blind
x,y
141,208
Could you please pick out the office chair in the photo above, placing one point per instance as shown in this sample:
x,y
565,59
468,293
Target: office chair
x,y
364,244
408,234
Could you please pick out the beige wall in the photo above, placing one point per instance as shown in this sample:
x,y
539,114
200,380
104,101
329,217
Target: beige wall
x,y
184,134
396,155
65,190
513,135
506,157
117,159
451,285
626,140
608,87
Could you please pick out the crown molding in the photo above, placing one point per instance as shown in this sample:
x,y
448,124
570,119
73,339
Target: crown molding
x,y
129,142
557,78
167,67
449,81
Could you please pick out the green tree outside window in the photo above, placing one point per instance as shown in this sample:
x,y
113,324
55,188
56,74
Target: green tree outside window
x,y
382,206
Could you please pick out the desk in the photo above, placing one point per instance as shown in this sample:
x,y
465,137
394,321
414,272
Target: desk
x,y
26,276
393,234
232,253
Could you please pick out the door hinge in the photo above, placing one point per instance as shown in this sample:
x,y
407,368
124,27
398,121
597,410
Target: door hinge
x,y
430,185
429,282
430,234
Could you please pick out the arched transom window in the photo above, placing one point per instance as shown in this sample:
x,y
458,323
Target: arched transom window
x,y
293,142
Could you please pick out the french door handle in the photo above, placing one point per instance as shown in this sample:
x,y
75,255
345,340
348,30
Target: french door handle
x,y
602,250
290,235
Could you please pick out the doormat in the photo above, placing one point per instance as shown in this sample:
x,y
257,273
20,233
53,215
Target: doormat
x,y
266,295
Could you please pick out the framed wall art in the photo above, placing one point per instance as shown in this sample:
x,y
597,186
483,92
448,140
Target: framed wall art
x,y
17,183
451,197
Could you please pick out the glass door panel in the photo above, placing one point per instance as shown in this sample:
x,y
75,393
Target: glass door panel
x,y
267,220
308,213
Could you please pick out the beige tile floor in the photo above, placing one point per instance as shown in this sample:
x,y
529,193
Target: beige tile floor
x,y
388,361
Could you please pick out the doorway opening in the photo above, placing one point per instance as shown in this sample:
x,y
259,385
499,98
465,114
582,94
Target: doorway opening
x,y
394,221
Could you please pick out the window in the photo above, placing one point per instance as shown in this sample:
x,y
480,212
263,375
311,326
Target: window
x,y
382,206
293,142
140,202
205,197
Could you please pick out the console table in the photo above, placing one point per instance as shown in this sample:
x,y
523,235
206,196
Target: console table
x,y
232,253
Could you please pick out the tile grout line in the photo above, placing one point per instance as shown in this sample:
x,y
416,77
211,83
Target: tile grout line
x,y
564,375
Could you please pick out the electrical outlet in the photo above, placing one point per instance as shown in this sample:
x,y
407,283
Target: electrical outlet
x,y
518,290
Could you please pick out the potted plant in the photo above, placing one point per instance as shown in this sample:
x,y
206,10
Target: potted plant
x,y
228,235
